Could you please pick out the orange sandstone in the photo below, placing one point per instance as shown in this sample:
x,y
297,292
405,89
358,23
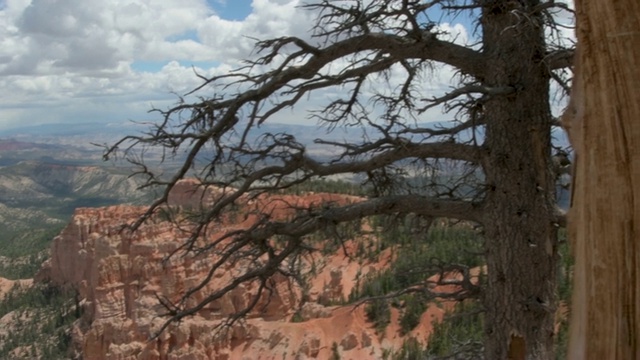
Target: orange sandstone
x,y
119,275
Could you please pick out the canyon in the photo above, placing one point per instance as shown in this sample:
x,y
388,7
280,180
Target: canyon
x,y
120,276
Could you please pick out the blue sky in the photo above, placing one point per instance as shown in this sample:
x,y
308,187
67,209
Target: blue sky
x,y
231,9
66,61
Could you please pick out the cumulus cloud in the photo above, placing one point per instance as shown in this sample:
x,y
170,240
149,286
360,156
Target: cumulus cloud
x,y
59,52
58,36
111,60
47,36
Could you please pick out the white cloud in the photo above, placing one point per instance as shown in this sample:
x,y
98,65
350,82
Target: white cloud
x,y
234,40
65,59
111,60
453,32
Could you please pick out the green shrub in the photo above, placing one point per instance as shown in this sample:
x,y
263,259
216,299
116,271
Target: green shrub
x,y
411,350
419,256
460,331
413,310
297,317
45,315
379,313
23,267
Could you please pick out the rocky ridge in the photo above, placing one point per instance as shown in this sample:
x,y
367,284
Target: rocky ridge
x,y
37,198
41,180
119,276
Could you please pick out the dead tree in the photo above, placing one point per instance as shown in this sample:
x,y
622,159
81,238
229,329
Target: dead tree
x,y
605,213
376,57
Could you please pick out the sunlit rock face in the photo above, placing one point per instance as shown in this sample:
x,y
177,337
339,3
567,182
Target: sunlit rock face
x,y
121,275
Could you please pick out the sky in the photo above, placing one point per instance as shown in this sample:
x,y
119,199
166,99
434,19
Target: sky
x,y
108,61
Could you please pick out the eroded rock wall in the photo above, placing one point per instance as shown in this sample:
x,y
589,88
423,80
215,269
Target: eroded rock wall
x,y
120,276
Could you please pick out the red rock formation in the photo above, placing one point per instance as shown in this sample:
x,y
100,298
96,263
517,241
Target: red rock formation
x,y
119,274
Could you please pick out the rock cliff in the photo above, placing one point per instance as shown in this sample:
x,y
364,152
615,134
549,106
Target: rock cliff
x,y
120,276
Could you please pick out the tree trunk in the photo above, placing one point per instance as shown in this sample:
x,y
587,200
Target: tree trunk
x,y
521,239
604,220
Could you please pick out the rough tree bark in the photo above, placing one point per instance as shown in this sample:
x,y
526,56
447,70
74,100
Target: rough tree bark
x,y
604,220
521,237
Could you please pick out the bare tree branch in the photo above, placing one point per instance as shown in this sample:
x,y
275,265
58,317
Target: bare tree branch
x,y
367,63
560,59
467,90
